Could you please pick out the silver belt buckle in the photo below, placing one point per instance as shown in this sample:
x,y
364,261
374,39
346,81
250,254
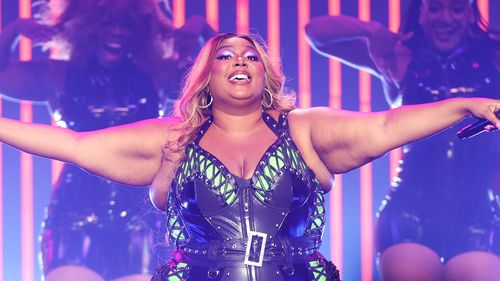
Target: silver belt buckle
x,y
256,246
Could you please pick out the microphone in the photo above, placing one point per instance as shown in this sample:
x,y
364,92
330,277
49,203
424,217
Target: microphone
x,y
475,128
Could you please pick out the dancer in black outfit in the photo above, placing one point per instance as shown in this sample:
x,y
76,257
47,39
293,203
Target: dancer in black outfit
x,y
124,66
441,219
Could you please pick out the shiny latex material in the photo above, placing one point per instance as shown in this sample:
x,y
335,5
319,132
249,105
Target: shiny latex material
x,y
107,227
211,211
445,195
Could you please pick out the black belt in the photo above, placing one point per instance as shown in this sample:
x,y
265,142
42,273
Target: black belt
x,y
281,251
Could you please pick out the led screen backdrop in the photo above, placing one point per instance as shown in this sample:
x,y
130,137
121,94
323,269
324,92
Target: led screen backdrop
x,y
26,181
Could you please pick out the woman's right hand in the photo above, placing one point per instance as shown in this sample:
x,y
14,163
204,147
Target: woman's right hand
x,y
486,109
35,31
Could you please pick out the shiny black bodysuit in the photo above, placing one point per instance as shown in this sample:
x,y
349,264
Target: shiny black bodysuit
x,y
90,221
225,226
446,196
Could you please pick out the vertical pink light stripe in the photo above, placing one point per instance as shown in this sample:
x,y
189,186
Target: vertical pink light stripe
x,y
304,59
242,16
394,22
1,182
366,203
366,223
364,12
366,209
1,178
336,206
335,87
27,215
179,12
484,9
394,15
273,30
27,212
57,167
336,225
212,7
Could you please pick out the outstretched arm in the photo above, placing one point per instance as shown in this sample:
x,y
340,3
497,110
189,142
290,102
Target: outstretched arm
x,y
346,140
129,154
36,80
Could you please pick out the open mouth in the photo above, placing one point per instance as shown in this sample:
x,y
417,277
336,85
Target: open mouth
x,y
240,77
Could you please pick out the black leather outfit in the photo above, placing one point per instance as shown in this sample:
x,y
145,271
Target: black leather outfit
x,y
93,222
213,217
445,195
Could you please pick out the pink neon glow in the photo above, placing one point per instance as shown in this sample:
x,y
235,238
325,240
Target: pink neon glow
x,y
57,167
242,16
335,86
336,206
335,91
394,15
1,187
364,91
366,223
179,12
273,29
212,7
1,181
366,171
336,225
304,59
484,9
27,214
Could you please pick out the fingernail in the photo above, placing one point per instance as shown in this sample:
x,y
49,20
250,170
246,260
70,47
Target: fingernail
x,y
497,125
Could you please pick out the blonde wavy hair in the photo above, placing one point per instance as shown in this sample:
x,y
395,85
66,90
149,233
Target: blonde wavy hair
x,y
194,94
195,89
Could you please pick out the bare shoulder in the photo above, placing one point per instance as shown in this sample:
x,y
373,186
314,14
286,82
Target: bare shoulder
x,y
304,116
166,124
301,122
154,130
158,123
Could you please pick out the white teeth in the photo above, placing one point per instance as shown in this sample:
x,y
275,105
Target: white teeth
x,y
239,77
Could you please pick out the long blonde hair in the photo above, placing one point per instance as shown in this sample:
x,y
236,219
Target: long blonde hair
x,y
194,91
194,94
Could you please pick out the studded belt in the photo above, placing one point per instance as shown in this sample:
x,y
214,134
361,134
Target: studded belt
x,y
253,250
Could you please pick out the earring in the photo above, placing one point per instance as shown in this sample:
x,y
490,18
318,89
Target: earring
x,y
209,97
262,101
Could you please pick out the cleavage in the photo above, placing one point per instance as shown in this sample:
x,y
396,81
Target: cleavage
x,y
240,156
